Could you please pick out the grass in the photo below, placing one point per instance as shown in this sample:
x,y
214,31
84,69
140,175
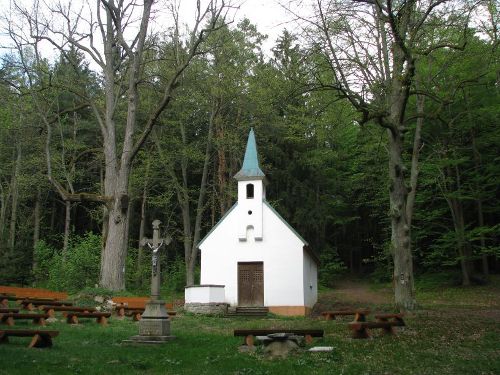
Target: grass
x,y
456,332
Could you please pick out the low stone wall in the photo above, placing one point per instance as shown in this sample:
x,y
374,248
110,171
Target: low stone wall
x,y
214,308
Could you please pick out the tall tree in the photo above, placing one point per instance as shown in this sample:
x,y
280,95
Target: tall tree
x,y
372,48
122,30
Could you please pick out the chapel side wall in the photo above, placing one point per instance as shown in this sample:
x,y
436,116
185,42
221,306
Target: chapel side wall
x,y
310,280
280,250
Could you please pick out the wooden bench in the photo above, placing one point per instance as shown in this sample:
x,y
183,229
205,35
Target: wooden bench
x,y
136,302
101,317
385,321
135,313
10,317
250,333
51,310
41,339
4,310
23,292
359,315
30,304
5,298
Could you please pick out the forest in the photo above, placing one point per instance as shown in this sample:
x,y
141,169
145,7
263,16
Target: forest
x,y
376,125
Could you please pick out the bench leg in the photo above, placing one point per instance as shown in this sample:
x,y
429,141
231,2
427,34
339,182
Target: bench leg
x,y
4,339
10,321
102,320
361,333
308,339
40,341
39,321
249,340
359,317
329,317
387,330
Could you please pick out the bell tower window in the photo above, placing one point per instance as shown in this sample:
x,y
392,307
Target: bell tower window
x,y
250,191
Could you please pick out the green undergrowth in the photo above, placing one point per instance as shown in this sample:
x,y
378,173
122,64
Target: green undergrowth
x,y
441,338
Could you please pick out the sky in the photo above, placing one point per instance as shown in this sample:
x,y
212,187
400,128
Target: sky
x,y
268,15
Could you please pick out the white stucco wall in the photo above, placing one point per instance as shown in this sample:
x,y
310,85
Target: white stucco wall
x,y
204,294
310,280
280,250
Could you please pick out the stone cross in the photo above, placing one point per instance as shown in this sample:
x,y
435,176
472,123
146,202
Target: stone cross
x,y
155,244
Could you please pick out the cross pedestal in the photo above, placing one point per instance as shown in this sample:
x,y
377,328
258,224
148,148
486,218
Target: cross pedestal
x,y
154,326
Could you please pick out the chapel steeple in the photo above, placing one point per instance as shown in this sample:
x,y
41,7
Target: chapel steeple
x,y
251,193
250,169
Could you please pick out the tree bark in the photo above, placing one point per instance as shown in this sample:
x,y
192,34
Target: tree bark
x,y
404,291
36,223
417,144
67,228
15,198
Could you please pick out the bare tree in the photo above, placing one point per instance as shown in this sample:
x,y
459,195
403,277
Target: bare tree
x,y
114,35
369,49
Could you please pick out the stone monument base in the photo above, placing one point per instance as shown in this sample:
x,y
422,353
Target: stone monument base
x,y
140,339
154,326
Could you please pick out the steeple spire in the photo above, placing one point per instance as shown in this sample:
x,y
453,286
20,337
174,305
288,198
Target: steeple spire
x,y
250,168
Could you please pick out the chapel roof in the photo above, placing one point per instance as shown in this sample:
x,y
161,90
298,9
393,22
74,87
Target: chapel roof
x,y
250,168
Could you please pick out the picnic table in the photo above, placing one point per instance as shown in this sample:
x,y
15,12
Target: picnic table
x,y
41,338
51,310
101,317
31,303
385,321
10,317
250,333
359,314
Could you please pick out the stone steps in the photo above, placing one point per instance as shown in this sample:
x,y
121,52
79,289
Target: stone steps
x,y
249,311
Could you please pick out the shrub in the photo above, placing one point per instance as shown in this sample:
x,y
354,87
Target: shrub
x,y
78,269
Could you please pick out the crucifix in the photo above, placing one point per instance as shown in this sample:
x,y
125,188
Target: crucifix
x,y
155,244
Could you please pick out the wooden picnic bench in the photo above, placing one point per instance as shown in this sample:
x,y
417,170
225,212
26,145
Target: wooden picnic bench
x,y
31,303
359,315
249,334
101,317
41,338
136,302
51,310
10,317
5,298
4,310
135,312
385,321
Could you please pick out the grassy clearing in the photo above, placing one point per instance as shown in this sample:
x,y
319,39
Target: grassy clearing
x,y
445,337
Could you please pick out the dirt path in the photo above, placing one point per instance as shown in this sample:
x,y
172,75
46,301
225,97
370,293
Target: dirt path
x,y
353,293
356,291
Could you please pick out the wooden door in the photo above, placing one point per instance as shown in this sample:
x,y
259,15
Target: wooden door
x,y
251,284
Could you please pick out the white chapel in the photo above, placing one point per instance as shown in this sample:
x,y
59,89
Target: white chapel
x,y
252,256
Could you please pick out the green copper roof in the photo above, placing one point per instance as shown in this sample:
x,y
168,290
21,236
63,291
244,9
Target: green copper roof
x,y
250,166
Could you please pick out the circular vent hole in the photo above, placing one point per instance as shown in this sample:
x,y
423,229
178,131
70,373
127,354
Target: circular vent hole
x,y
250,212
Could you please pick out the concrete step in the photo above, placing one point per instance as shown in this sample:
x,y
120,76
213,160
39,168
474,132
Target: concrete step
x,y
249,311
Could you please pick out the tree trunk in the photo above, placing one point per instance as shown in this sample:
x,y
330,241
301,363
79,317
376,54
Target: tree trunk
x,y
417,143
142,225
15,199
404,291
3,216
67,228
484,257
36,224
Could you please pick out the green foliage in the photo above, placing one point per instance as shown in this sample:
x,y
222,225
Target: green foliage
x,y
331,267
76,270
